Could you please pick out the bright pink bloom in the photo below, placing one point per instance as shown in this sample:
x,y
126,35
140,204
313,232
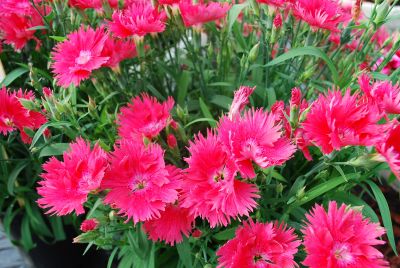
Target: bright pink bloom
x,y
259,245
138,19
169,2
255,138
210,189
174,223
18,7
198,14
240,100
337,120
144,117
276,3
140,184
66,184
15,116
14,29
382,93
95,4
171,141
79,55
341,238
320,14
117,50
89,225
389,148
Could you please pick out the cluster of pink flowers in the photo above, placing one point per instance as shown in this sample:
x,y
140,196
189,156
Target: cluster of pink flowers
x,y
339,237
17,18
13,115
87,50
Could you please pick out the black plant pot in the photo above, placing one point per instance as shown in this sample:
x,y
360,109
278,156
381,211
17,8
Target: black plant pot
x,y
61,254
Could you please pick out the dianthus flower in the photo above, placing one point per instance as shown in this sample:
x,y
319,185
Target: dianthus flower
x,y
382,93
254,138
117,50
240,100
341,238
337,120
95,4
389,148
260,245
140,184
320,14
79,55
66,184
89,225
144,117
198,14
15,116
138,19
210,189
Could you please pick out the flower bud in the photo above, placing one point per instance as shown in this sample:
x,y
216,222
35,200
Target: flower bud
x,y
253,54
89,225
381,13
171,141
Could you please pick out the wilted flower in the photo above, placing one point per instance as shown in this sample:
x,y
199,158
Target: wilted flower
x,y
260,245
66,184
341,238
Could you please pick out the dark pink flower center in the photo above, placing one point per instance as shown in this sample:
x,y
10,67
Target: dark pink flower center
x,y
342,254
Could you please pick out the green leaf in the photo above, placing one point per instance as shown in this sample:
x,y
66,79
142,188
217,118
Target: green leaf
x,y
39,27
54,149
110,260
225,234
385,213
211,121
311,51
26,236
13,176
40,131
184,251
234,13
222,101
206,112
36,220
183,85
324,187
57,227
14,74
58,38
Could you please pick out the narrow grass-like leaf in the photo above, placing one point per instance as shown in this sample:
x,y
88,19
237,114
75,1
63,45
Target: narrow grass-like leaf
x,y
14,74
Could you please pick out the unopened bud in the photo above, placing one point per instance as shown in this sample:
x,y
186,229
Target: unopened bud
x,y
253,54
381,13
171,141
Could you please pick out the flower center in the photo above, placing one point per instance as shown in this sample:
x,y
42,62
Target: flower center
x,y
219,177
261,258
342,254
84,57
138,183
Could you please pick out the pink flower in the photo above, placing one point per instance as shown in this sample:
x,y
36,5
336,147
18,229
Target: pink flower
x,y
79,55
15,29
15,116
260,245
173,223
278,20
171,141
18,7
210,189
341,238
138,19
140,184
295,99
95,4
389,148
144,117
240,100
66,184
255,138
276,3
200,13
169,2
117,50
384,94
89,225
337,120
320,14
